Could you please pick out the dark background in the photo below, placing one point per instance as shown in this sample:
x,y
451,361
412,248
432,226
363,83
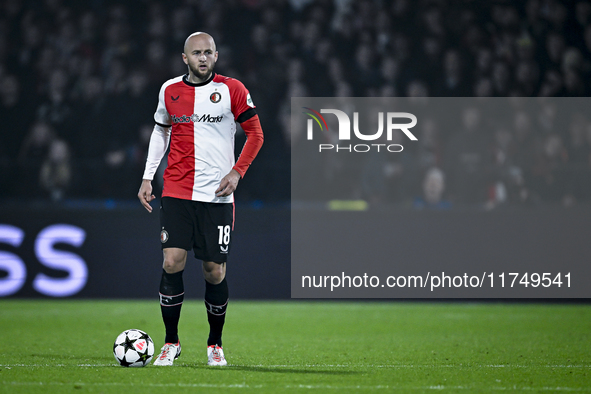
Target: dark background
x,y
79,83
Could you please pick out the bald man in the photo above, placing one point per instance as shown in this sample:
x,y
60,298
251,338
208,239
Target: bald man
x,y
197,114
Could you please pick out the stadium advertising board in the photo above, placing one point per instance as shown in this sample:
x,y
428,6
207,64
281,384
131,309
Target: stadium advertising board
x,y
95,252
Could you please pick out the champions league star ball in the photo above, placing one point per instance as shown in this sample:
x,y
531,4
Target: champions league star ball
x,y
133,348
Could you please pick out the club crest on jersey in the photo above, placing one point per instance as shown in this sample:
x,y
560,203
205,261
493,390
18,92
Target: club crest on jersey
x,y
163,236
196,118
215,97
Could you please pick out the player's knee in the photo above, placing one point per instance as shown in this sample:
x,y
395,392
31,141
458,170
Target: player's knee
x,y
214,273
173,264
170,266
214,277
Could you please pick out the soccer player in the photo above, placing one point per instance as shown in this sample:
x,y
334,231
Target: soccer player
x,y
197,115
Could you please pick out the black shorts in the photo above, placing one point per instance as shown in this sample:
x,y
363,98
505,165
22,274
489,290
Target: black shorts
x,y
204,227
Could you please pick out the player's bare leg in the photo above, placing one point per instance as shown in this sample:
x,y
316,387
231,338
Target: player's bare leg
x,y
214,273
171,299
216,301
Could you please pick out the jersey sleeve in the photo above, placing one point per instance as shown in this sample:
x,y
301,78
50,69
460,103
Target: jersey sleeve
x,y
159,141
241,102
254,141
161,116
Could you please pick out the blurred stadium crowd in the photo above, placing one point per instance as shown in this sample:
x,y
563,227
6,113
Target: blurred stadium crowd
x,y
79,84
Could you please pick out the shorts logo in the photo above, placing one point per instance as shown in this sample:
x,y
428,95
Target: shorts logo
x,y
163,236
215,97
224,250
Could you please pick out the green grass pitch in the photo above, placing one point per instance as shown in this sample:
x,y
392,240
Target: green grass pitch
x,y
303,347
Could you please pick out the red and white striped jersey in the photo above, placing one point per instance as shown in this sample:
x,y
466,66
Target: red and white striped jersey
x,y
201,119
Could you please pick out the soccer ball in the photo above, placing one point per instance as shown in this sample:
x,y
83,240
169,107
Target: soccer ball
x,y
133,348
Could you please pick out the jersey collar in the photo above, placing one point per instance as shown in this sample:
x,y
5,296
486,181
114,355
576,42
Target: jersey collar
x,y
187,82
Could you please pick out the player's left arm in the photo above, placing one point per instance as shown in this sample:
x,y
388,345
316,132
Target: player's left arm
x,y
249,120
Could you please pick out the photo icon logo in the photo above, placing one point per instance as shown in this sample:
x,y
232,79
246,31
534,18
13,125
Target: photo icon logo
x,y
344,129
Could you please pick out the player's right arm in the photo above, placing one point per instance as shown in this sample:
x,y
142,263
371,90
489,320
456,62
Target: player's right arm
x,y
156,150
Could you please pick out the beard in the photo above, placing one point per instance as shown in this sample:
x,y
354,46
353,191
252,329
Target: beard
x,y
204,75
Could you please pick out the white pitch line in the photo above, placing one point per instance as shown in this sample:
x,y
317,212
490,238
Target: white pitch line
x,y
440,388
393,366
206,385
302,386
